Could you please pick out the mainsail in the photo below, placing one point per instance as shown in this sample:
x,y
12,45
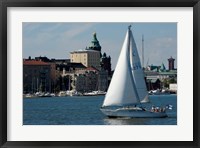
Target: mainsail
x,y
127,85
122,89
137,71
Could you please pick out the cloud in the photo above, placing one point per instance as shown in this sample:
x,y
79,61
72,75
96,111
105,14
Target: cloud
x,y
57,38
76,30
164,42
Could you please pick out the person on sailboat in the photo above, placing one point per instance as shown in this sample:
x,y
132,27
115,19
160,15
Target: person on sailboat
x,y
153,109
162,109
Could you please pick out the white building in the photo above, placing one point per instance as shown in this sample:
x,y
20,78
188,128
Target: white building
x,y
87,57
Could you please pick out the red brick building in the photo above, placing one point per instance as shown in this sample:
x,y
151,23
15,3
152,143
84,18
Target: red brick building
x,y
36,76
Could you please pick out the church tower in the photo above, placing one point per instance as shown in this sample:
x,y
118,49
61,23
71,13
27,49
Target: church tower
x,y
95,43
171,63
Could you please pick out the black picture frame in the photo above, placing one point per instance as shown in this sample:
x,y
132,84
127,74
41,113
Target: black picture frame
x,y
4,4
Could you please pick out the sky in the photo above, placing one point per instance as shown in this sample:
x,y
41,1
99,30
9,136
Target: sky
x,y
57,40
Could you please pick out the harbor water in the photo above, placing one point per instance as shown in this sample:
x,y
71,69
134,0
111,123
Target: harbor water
x,y
85,110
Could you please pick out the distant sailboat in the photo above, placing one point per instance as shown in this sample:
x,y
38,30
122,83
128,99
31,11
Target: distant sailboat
x,y
127,90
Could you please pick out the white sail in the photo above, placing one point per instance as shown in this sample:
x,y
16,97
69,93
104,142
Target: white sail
x,y
122,89
138,73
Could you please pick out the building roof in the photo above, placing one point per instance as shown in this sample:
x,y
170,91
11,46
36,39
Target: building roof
x,y
91,68
60,61
83,51
168,73
44,59
34,62
76,65
171,59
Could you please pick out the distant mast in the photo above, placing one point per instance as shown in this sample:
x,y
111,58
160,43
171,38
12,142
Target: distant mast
x,y
142,51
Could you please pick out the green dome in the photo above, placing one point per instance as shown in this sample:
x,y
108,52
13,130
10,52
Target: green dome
x,y
162,67
95,43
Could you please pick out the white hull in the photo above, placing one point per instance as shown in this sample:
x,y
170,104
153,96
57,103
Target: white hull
x,y
133,113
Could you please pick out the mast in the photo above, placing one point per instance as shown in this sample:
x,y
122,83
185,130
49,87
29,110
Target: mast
x,y
143,51
69,83
32,86
37,85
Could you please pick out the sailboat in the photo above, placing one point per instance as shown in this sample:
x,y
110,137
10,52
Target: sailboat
x,y
127,91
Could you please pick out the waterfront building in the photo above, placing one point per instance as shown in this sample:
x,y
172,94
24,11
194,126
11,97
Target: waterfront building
x,y
153,84
85,80
89,79
171,63
65,69
90,56
173,87
66,73
87,57
53,73
160,75
36,76
106,63
61,72
157,77
153,76
102,80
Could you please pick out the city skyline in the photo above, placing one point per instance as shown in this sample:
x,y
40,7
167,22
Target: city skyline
x,y
57,40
